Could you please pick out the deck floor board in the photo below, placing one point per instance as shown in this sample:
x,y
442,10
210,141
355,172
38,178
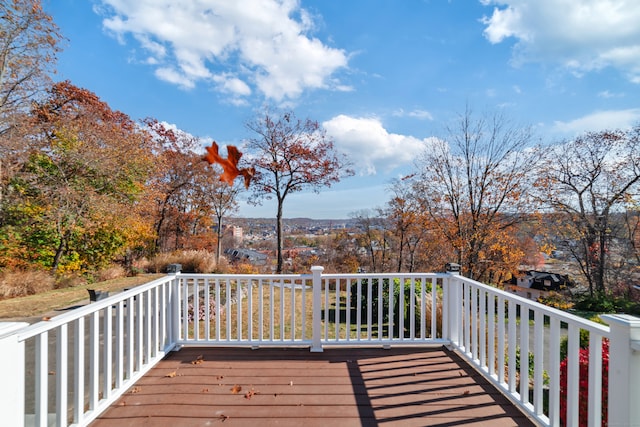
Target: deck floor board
x,y
294,387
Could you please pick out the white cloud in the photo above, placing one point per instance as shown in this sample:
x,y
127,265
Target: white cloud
x,y
170,75
370,146
263,43
228,83
581,35
600,120
416,114
608,94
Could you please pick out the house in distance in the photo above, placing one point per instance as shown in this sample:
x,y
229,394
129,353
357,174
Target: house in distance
x,y
533,284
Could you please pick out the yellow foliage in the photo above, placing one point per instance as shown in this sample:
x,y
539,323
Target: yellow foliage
x,y
547,248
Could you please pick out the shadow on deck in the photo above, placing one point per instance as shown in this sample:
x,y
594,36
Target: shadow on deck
x,y
293,387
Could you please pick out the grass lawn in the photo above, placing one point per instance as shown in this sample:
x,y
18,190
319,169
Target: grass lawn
x,y
57,299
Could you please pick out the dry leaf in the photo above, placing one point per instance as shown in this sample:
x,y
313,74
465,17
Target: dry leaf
x,y
205,390
466,392
250,394
224,417
135,390
229,165
461,374
198,360
171,374
45,318
236,389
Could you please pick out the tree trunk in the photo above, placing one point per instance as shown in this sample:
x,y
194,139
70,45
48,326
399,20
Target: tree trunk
x,y
219,242
163,215
401,251
279,237
59,251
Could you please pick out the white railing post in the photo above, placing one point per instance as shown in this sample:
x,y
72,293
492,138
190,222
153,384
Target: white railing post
x,y
624,369
316,339
452,309
12,357
174,308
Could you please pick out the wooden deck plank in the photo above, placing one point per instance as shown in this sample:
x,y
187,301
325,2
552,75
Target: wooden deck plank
x,y
294,387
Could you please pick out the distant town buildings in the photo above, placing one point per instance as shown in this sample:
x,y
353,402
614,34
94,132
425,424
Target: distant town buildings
x,y
237,233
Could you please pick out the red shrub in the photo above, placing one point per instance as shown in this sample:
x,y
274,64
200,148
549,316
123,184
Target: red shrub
x,y
583,398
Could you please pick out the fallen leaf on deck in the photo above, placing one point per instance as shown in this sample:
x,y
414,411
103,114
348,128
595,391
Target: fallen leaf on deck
x,y
250,394
205,390
135,390
171,374
198,360
466,392
224,417
461,374
236,389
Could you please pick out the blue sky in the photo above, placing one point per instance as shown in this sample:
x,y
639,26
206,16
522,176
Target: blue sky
x,y
382,76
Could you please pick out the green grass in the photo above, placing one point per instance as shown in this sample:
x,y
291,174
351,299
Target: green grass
x,y
283,326
47,302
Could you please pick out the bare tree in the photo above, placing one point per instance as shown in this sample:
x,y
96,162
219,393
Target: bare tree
x,y
473,184
223,201
372,238
291,155
588,180
29,42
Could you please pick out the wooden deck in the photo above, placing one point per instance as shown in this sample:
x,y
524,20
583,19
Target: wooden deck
x,y
293,387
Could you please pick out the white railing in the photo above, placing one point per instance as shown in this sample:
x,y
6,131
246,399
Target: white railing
x,y
523,347
263,310
72,367
69,369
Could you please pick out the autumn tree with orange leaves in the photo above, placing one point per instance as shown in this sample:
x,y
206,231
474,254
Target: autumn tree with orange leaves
x,y
418,244
291,155
474,184
76,202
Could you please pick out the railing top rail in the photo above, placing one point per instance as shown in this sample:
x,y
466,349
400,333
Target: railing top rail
x,y
383,275
549,311
307,276
70,316
245,276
